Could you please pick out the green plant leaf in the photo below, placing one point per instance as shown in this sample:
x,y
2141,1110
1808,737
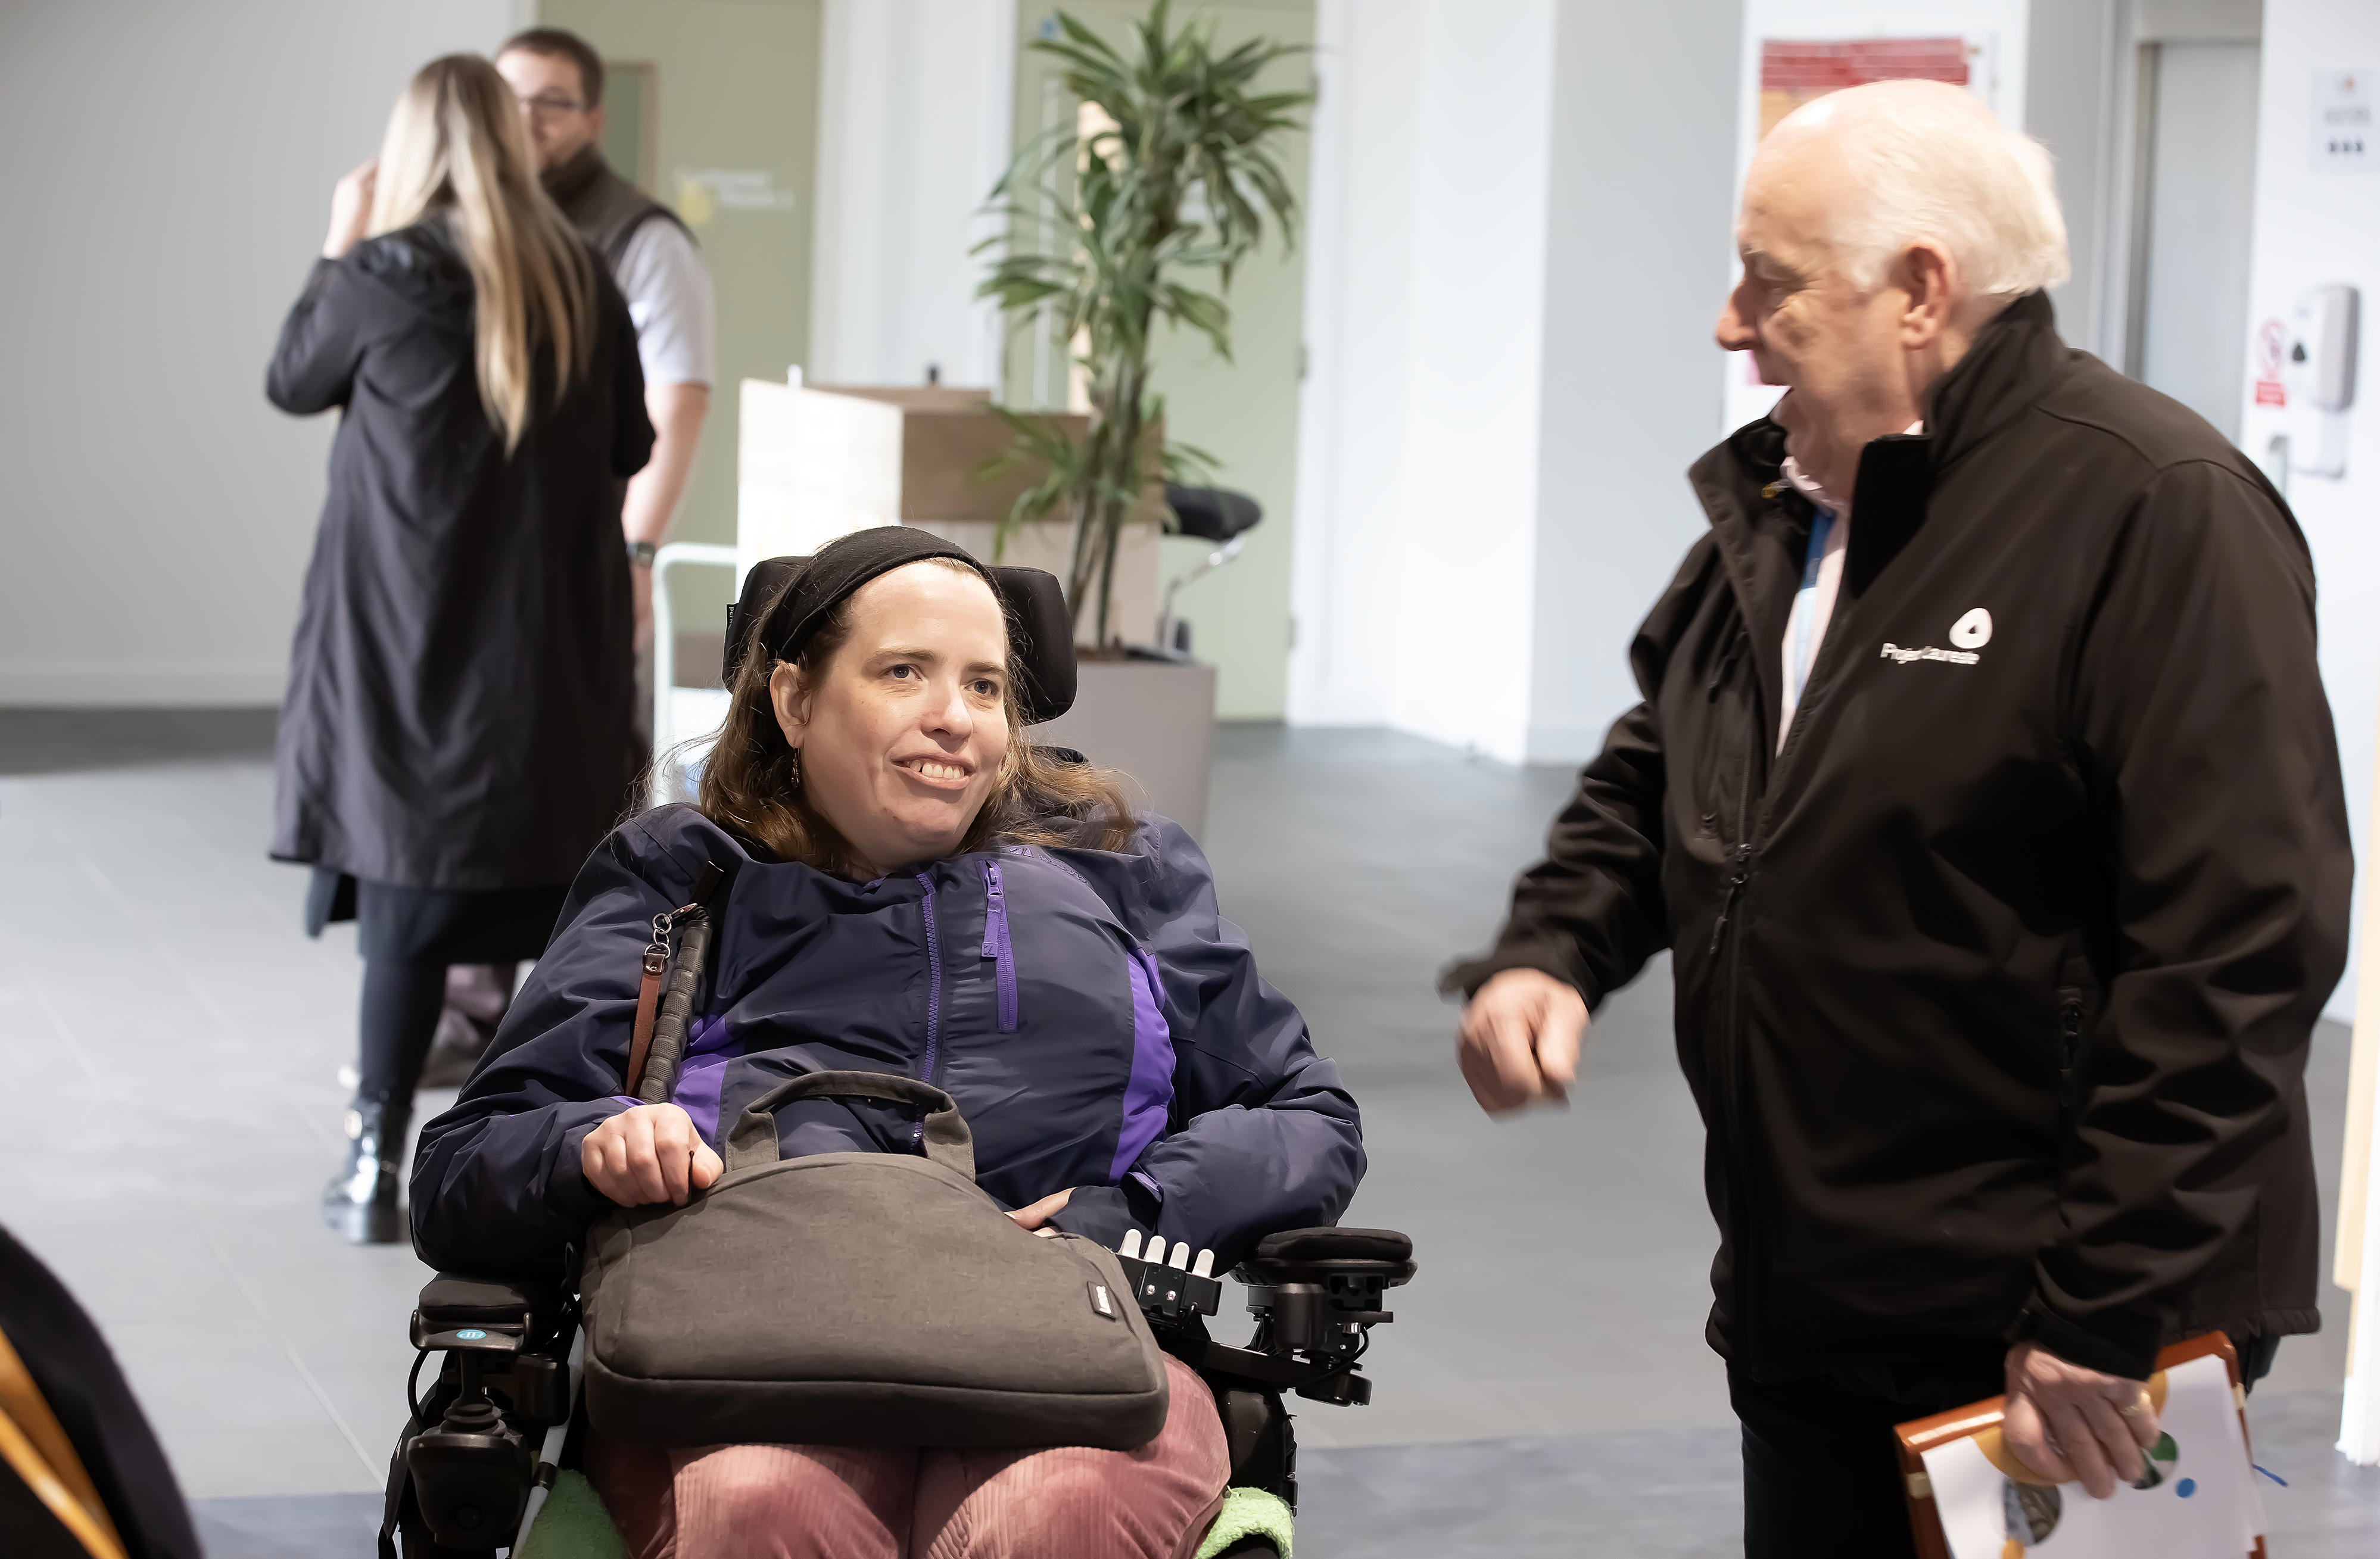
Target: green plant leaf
x,y
1111,235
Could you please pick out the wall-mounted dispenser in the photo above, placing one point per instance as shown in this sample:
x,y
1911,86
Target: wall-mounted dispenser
x,y
2320,372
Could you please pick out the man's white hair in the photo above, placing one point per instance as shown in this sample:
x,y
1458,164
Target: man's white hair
x,y
1928,160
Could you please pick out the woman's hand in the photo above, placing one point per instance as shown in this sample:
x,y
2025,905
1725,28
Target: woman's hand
x,y
2070,1423
350,210
1037,1216
649,1154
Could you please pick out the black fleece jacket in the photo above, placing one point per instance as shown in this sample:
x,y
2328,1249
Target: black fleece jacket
x,y
1995,985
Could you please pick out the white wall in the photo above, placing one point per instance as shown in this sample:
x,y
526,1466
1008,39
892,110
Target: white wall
x,y
1462,594
1638,240
914,128
2315,229
1514,259
1362,217
2072,53
168,169
2311,229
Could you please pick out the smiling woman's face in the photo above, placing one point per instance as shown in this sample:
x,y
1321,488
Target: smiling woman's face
x,y
904,733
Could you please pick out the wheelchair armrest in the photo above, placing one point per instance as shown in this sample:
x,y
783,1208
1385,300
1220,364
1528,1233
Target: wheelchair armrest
x,y
1317,1255
456,1299
505,1313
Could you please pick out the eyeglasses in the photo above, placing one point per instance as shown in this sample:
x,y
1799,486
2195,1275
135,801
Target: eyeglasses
x,y
547,105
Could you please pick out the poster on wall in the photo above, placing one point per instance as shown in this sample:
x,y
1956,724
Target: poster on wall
x,y
1797,51
2346,133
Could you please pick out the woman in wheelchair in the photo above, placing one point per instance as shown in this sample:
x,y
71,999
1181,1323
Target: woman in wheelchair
x,y
909,886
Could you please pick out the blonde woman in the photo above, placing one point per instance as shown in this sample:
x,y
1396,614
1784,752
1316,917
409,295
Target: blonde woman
x,y
457,730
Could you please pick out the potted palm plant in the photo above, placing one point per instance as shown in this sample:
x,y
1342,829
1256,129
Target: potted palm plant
x,y
1163,185
1166,180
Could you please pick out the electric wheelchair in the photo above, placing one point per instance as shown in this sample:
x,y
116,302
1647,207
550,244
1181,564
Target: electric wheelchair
x,y
501,1419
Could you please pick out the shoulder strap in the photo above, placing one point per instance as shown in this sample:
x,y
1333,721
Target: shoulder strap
x,y
649,1001
666,996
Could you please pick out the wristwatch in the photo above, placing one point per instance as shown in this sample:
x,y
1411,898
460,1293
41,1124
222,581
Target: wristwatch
x,y
642,553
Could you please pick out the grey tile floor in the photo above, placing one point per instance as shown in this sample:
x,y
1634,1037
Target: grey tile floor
x,y
172,1040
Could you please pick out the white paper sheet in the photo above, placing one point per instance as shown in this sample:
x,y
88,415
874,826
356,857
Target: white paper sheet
x,y
2206,1506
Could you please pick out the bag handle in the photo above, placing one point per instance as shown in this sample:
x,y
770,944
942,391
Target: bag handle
x,y
947,1141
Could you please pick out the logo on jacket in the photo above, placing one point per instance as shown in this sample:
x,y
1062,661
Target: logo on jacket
x,y
1971,633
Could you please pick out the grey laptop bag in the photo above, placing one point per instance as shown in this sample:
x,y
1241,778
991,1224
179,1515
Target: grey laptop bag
x,y
860,1299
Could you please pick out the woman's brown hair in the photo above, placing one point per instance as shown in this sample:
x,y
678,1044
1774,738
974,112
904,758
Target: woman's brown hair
x,y
751,788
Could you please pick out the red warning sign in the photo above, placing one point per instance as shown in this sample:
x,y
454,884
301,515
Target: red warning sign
x,y
2272,343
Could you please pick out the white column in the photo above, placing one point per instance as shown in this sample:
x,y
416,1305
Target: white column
x,y
1516,244
1360,212
1426,301
914,128
2356,1260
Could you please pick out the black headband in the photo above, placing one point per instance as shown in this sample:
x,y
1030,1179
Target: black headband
x,y
841,567
790,599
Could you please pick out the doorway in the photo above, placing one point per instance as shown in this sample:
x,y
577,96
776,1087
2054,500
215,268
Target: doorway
x,y
2194,194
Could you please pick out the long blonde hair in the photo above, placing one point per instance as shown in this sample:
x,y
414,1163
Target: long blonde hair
x,y
752,786
456,144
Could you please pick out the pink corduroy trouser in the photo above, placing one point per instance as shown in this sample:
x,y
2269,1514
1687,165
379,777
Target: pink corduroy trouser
x,y
832,1502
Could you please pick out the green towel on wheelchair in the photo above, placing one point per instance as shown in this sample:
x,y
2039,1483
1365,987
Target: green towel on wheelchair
x,y
1248,1513
572,1525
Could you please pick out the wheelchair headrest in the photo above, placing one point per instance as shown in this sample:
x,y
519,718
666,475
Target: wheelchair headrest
x,y
1040,630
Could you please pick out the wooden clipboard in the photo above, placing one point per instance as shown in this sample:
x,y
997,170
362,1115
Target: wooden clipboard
x,y
1981,1418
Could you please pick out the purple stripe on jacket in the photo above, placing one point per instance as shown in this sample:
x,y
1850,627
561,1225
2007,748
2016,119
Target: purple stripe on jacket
x,y
1149,1092
709,1048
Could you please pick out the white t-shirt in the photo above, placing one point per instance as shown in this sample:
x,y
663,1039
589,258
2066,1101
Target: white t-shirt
x,y
1814,604
668,291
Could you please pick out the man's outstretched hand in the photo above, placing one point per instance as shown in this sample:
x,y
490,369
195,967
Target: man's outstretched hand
x,y
2070,1424
1520,1040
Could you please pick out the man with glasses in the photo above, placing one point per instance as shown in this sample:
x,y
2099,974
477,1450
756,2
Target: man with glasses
x,y
559,79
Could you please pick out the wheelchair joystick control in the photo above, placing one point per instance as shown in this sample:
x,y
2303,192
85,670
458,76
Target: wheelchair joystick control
x,y
471,1474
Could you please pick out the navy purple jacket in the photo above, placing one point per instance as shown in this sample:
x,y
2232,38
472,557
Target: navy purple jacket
x,y
1100,1024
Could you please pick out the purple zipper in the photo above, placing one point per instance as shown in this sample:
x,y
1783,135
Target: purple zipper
x,y
933,1002
996,947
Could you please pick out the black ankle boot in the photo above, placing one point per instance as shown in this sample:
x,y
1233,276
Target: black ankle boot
x,y
361,1202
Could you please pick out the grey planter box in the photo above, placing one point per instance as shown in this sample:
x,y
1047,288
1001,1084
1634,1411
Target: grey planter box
x,y
1152,719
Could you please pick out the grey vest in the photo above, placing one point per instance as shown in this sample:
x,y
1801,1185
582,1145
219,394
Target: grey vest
x,y
606,209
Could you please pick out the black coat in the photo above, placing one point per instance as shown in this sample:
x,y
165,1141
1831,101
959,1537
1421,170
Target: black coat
x,y
461,690
1995,987
72,1367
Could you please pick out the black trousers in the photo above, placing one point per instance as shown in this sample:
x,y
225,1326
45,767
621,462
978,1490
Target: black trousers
x,y
1821,1477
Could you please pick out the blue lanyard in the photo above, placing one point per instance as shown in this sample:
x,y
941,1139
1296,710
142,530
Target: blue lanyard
x,y
1806,604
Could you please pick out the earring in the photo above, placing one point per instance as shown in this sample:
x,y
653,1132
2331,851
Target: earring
x,y
798,768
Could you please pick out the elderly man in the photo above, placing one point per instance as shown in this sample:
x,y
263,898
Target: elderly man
x,y
1984,792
